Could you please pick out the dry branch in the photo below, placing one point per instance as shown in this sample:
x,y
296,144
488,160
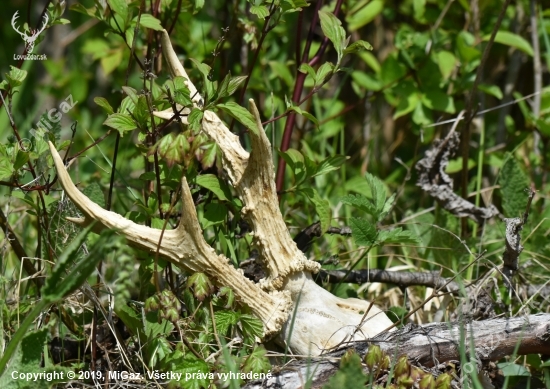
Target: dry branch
x,y
434,180
429,345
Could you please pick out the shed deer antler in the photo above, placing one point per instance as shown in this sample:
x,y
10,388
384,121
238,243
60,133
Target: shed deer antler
x,y
321,320
29,40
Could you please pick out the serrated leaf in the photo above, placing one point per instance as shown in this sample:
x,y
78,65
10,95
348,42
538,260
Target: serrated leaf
x,y
322,207
332,28
378,191
397,235
361,202
173,149
330,164
513,182
364,233
241,114
103,103
16,76
229,294
201,285
94,193
252,326
214,184
257,362
226,319
121,122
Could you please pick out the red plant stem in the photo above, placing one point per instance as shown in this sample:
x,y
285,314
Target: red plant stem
x,y
299,87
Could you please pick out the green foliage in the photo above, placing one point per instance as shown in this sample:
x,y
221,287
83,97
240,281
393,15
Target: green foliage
x,y
376,110
27,359
513,183
350,375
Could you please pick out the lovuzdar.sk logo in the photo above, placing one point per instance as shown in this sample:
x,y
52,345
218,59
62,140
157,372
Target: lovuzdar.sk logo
x,y
29,38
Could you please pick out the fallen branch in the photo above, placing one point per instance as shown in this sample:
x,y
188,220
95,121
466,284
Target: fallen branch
x,y
429,345
433,179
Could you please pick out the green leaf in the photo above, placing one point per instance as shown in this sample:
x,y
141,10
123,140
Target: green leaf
x,y
492,90
241,114
358,46
121,122
173,149
513,182
103,103
361,202
16,76
214,184
438,101
120,7
322,207
447,62
21,159
141,111
252,326
234,83
397,235
305,114
307,69
364,233
365,15
201,285
332,28
295,161
257,362
513,40
391,71
181,94
27,359
261,11
149,21
214,214
330,164
94,193
226,319
513,369
325,71
195,119
349,376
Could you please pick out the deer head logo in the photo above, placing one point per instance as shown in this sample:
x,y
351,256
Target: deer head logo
x,y
29,39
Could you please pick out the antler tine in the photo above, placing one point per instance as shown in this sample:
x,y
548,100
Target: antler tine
x,y
46,20
13,20
185,247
